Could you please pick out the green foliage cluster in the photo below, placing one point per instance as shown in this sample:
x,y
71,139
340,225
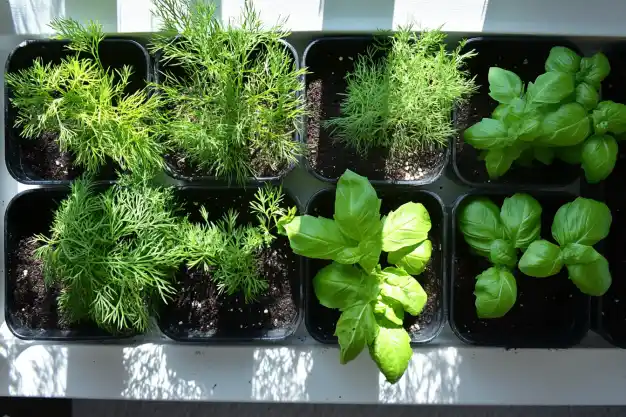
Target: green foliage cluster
x,y
372,300
86,105
497,234
403,102
557,116
235,110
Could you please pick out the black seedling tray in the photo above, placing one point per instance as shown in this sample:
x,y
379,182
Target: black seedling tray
x,y
114,54
160,67
526,57
233,321
549,312
328,61
30,213
321,321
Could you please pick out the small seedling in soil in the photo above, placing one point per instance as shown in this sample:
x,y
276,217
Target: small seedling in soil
x,y
372,300
404,101
84,107
232,107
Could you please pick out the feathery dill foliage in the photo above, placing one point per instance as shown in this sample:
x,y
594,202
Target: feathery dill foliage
x,y
236,109
86,105
404,101
230,251
112,253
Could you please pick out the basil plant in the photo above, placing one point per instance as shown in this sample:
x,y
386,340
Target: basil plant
x,y
373,300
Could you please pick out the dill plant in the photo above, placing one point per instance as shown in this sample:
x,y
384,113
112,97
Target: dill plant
x,y
234,111
112,253
403,101
85,105
230,251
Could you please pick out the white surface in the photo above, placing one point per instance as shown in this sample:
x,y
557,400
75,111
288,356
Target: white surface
x,y
305,371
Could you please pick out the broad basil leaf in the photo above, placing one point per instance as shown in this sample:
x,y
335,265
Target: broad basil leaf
x,y
319,238
567,126
391,351
412,259
479,221
575,253
587,96
488,134
583,221
504,85
499,161
544,154
593,70
563,59
609,117
408,225
599,155
521,217
541,259
503,253
340,286
510,113
390,311
529,128
592,278
570,154
355,329
401,287
357,207
550,88
371,248
496,293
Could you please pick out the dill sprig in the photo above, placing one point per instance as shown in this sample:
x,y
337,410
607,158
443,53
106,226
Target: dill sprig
x,y
235,110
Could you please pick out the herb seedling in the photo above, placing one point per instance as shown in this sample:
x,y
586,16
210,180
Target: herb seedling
x,y
235,110
497,234
403,102
372,300
85,105
577,226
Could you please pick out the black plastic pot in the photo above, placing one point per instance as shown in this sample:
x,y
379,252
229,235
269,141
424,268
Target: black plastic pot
x,y
329,60
114,54
160,68
30,213
199,314
549,312
321,321
526,57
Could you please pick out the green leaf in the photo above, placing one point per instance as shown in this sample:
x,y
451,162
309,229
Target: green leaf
x,y
390,311
609,117
496,293
593,70
341,286
371,248
541,259
488,134
503,253
544,154
567,126
592,278
570,154
504,85
391,351
583,221
499,161
401,287
510,113
521,217
587,96
408,225
575,253
355,329
412,259
530,127
563,59
599,155
357,207
319,238
479,221
550,88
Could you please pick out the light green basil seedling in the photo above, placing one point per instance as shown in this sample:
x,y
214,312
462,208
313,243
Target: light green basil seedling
x,y
496,292
577,226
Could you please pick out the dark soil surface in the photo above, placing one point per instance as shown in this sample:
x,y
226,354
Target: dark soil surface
x,y
329,62
527,59
199,311
321,321
46,161
549,312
